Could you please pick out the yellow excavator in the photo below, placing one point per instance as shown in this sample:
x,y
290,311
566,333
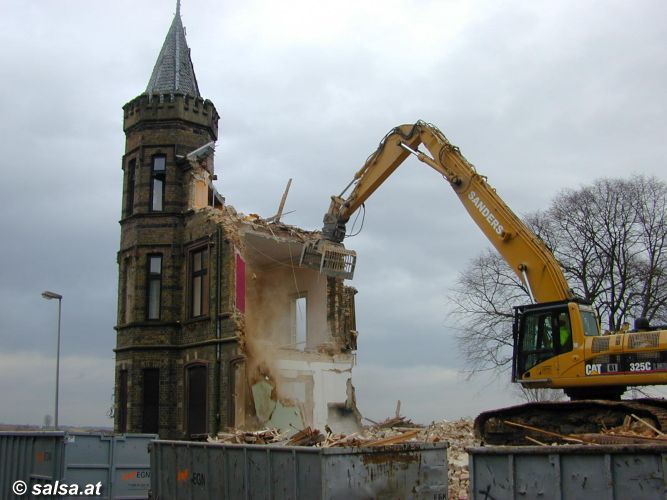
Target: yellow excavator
x,y
557,338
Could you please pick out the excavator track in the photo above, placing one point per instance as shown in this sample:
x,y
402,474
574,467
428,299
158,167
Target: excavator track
x,y
564,418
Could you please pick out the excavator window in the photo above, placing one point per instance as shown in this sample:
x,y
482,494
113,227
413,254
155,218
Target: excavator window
x,y
537,343
591,326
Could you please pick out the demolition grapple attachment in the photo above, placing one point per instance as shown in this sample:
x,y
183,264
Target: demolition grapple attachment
x,y
329,258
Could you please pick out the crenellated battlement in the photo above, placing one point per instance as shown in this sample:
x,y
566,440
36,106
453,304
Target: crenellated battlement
x,y
163,107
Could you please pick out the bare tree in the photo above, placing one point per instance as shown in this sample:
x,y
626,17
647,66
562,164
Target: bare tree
x,y
651,207
610,239
483,299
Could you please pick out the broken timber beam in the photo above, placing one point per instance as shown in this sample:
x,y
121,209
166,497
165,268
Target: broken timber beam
x,y
394,439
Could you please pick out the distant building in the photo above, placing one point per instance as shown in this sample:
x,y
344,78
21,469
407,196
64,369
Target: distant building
x,y
218,326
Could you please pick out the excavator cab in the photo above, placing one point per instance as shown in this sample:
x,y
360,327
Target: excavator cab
x,y
544,331
541,332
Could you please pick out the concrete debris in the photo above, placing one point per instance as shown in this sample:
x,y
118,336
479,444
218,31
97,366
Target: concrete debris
x,y
459,434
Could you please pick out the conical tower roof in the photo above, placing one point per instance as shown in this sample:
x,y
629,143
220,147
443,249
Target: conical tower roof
x,y
173,72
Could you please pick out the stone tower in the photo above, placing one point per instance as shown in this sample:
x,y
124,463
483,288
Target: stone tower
x,y
162,126
218,324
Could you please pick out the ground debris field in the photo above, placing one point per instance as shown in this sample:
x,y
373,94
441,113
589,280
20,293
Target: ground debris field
x,y
395,430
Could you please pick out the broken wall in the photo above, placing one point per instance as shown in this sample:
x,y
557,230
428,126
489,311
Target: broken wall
x,y
282,380
294,380
329,378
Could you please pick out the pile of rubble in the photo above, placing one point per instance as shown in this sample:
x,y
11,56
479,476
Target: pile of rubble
x,y
459,435
395,430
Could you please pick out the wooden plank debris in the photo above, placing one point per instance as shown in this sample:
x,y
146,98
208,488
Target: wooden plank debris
x,y
641,420
627,433
306,437
547,433
535,441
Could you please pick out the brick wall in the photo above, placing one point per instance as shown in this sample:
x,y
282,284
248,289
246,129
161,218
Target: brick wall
x,y
171,126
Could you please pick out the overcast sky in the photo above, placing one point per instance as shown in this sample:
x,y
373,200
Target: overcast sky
x,y
538,95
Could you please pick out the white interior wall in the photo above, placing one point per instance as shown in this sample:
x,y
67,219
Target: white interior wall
x,y
270,296
329,383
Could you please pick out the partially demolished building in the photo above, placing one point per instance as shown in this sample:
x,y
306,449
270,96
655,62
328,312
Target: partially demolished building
x,y
218,325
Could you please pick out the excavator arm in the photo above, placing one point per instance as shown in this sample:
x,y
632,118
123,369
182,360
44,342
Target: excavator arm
x,y
557,342
526,254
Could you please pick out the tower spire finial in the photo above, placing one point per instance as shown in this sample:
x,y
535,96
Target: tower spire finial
x,y
173,72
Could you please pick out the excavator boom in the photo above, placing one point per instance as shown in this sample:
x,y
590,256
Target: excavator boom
x,y
528,256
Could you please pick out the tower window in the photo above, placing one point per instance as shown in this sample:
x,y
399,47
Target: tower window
x,y
158,170
129,194
199,283
154,286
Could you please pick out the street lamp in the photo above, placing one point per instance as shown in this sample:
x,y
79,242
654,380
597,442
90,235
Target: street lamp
x,y
52,295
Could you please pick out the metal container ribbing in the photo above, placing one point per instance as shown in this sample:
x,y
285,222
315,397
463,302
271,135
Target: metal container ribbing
x,y
119,462
187,470
568,472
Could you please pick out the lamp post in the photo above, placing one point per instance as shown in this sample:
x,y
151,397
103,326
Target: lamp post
x,y
52,295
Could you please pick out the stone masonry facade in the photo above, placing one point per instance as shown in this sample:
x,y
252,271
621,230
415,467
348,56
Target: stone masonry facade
x,y
181,350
